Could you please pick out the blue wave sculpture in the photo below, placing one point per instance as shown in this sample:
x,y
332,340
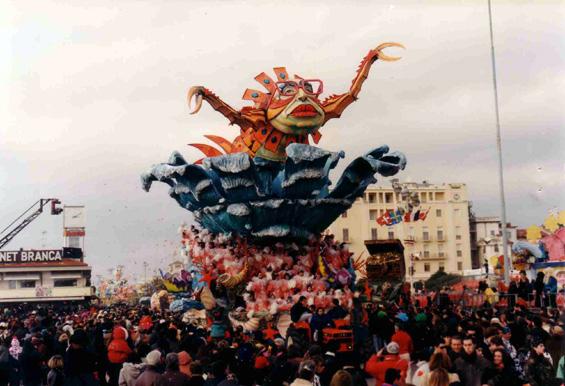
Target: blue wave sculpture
x,y
256,197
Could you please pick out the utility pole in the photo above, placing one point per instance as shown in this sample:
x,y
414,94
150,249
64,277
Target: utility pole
x,y
507,262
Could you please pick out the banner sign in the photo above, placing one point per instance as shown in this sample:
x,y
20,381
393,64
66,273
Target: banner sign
x,y
31,256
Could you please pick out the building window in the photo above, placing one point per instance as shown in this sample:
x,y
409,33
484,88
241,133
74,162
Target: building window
x,y
438,212
345,234
426,254
373,214
460,266
424,197
388,198
27,284
426,236
459,253
372,198
441,266
496,248
344,214
457,237
390,235
374,234
426,267
440,196
440,250
65,283
492,233
12,284
440,234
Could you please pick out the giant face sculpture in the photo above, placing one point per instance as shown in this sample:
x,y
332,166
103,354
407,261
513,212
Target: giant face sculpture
x,y
295,108
289,112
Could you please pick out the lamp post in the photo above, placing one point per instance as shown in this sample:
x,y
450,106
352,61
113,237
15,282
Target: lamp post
x,y
507,263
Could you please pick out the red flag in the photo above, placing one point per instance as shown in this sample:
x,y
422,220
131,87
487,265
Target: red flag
x,y
423,215
407,216
381,220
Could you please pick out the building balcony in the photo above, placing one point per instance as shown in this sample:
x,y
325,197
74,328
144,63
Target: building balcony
x,y
441,239
433,257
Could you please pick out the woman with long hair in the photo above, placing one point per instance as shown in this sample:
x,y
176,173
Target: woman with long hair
x,y
502,372
439,377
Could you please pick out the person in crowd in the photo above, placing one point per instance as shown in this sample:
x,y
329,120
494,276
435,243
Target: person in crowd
x,y
150,374
197,374
118,353
389,358
79,362
439,377
342,378
403,339
300,312
502,372
30,363
172,376
539,368
337,311
524,287
392,377
455,348
470,365
306,372
539,288
184,362
56,375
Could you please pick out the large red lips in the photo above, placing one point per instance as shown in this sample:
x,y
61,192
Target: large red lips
x,y
304,110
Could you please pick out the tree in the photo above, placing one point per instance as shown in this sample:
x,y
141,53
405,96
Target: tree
x,y
441,279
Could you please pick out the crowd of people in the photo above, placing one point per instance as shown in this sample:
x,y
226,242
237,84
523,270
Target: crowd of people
x,y
439,344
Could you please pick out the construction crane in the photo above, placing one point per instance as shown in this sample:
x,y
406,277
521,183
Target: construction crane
x,y
26,218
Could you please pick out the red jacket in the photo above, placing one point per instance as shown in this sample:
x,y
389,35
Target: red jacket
x,y
377,366
404,341
118,349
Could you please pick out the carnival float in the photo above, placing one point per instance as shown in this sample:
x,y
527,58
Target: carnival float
x,y
263,201
543,249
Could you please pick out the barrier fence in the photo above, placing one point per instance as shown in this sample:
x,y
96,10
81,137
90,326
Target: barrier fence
x,y
476,300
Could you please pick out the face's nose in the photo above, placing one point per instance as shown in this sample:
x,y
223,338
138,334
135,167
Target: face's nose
x,y
301,96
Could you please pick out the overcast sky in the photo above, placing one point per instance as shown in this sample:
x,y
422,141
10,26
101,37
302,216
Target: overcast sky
x,y
93,93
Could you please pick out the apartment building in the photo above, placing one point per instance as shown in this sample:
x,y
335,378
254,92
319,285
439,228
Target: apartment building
x,y
442,240
486,240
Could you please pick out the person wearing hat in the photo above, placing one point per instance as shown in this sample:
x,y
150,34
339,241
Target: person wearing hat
x,y
150,375
378,363
403,339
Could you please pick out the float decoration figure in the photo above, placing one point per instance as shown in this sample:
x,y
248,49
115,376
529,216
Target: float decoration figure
x,y
271,182
288,113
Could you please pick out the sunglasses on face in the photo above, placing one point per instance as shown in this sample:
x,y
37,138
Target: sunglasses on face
x,y
313,87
